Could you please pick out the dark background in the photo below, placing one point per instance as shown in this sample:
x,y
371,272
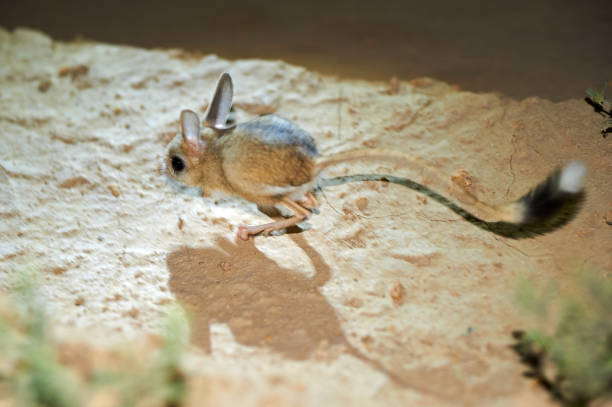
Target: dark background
x,y
552,49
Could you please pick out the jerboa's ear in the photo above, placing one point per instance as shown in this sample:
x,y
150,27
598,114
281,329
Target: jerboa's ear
x,y
190,127
221,104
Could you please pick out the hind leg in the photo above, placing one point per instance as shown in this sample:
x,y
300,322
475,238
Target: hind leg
x,y
299,214
310,202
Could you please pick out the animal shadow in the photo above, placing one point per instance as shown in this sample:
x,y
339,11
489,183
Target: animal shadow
x,y
264,304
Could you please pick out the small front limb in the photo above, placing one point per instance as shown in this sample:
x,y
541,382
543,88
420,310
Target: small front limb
x,y
299,214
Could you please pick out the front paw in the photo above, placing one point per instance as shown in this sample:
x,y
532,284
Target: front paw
x,y
243,233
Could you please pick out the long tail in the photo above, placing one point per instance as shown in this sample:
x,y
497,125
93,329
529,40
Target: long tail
x,y
539,203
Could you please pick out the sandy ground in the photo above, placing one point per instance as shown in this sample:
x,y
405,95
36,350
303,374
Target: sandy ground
x,y
389,297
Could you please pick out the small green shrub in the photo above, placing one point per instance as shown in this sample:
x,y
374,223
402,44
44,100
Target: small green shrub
x,y
603,106
161,378
32,375
28,362
574,357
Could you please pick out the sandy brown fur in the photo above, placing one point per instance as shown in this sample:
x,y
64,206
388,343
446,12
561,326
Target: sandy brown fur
x,y
238,165
270,160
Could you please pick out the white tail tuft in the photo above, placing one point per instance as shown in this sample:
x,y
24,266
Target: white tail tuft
x,y
572,177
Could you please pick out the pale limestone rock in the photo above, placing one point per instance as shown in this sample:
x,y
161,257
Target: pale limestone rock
x,y
83,199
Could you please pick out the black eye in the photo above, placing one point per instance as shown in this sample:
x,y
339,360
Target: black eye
x,y
178,164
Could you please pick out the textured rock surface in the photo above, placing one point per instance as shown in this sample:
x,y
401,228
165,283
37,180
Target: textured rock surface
x,y
389,297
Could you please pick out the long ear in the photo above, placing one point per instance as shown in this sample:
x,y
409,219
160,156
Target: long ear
x,y
190,127
221,104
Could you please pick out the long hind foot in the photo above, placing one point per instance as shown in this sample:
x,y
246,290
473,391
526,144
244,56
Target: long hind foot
x,y
310,202
245,232
299,214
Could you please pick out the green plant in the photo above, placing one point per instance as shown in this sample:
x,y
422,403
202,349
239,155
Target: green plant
x,y
160,379
32,375
29,365
574,358
603,106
